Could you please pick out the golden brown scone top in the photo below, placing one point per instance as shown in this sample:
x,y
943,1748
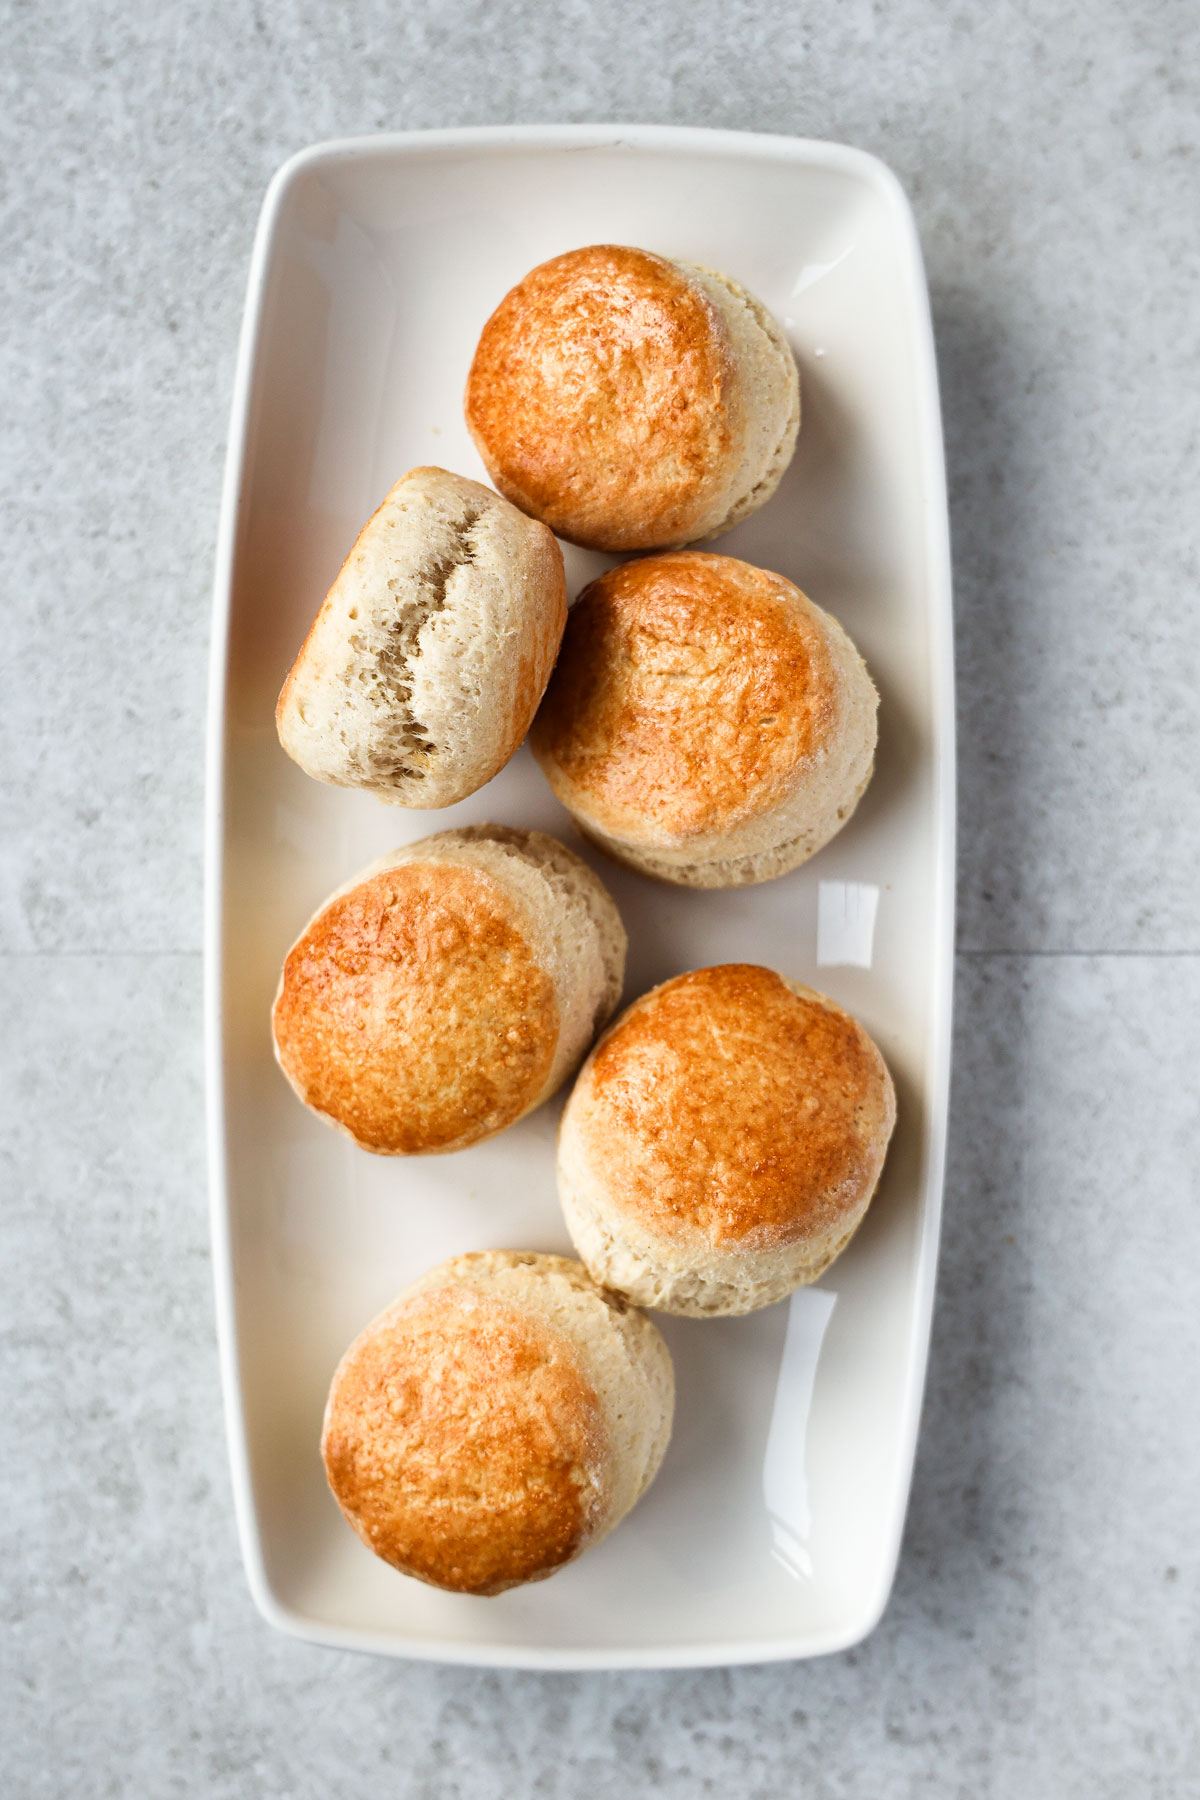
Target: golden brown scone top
x,y
601,395
464,1443
689,691
412,1012
727,1108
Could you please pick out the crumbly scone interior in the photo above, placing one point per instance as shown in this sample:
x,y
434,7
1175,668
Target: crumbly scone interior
x,y
385,645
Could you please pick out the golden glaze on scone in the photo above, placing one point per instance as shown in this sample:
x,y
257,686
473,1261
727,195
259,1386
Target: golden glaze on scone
x,y
723,1141
502,1415
704,711
449,988
630,402
416,944
464,1443
688,689
734,1108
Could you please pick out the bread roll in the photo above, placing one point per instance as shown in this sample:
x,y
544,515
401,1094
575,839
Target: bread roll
x,y
500,1417
428,658
706,723
723,1142
631,402
448,989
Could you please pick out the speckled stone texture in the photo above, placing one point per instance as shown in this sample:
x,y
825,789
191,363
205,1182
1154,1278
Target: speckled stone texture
x,y
1043,1637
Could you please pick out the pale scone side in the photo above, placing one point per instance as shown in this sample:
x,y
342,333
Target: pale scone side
x,y
426,662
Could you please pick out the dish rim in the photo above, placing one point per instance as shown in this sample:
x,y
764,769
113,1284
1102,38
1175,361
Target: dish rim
x,y
639,138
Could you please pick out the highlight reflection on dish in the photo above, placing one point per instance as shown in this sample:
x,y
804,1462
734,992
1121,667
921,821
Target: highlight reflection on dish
x,y
785,1484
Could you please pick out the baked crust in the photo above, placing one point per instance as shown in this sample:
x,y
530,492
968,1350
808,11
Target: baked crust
x,y
689,691
502,1415
631,402
449,988
723,1141
352,1018
464,1443
702,715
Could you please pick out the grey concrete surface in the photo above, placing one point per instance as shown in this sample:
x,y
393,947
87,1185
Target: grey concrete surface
x,y
1043,1637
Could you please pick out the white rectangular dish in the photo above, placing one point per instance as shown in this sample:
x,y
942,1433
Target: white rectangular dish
x,y
774,1528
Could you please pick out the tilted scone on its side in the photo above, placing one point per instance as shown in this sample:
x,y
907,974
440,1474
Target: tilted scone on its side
x,y
706,723
631,402
499,1418
426,662
723,1142
448,989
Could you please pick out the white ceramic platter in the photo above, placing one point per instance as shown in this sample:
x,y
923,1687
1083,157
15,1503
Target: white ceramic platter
x,y
774,1527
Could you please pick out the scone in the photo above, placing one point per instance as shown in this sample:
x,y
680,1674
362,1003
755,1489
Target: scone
x,y
706,723
631,402
497,1420
723,1142
428,658
448,989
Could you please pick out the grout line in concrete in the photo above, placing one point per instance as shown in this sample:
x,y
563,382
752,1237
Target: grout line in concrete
x,y
95,955
980,955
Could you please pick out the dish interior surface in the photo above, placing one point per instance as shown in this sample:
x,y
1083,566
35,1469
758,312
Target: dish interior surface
x,y
774,1527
